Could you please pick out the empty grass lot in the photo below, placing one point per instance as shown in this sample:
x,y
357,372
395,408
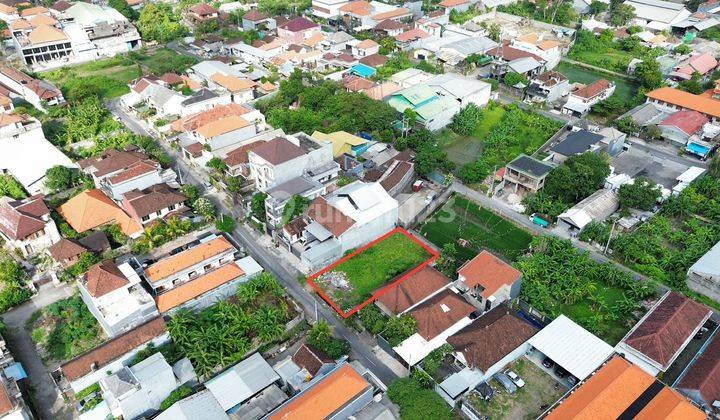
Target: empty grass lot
x,y
461,218
585,309
539,392
375,266
466,149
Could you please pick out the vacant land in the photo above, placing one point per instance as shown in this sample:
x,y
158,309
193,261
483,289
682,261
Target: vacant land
x,y
539,392
112,75
466,149
65,329
461,218
354,280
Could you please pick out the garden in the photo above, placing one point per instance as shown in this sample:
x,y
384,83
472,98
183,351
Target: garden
x,y
65,329
605,52
498,134
417,399
665,246
560,279
225,333
472,228
13,290
354,279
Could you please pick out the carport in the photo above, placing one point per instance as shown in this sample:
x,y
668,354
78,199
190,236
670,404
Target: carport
x,y
571,347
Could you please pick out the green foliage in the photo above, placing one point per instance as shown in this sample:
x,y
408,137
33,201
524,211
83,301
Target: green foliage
x,y
448,261
465,122
87,391
283,7
123,7
514,79
610,106
399,328
325,107
561,13
559,278
432,362
649,75
460,18
605,52
692,85
597,7
234,183
627,125
682,49
161,232
578,177
175,396
116,236
12,279
473,172
72,329
621,14
225,333
294,208
257,206
321,337
217,164
204,208
10,187
159,23
372,319
225,223
595,231
643,194
207,27
86,260
191,192
86,120
61,177
418,402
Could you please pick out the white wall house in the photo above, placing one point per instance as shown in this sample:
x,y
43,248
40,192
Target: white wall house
x,y
26,225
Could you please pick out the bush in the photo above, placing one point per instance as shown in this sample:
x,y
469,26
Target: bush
x,y
175,396
643,194
399,328
225,223
416,401
87,260
372,319
321,337
474,172
514,79
12,278
465,122
10,187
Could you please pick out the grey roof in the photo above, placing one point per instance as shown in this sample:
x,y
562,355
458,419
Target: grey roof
x,y
338,37
199,406
472,45
457,85
96,242
161,95
531,166
208,68
577,142
120,382
264,403
646,114
708,264
295,186
523,65
199,96
239,383
184,371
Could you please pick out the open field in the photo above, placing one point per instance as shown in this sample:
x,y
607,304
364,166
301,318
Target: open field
x,y
112,75
528,402
355,278
466,149
615,329
461,218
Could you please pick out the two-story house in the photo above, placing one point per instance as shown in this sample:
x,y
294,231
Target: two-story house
x,y
583,97
26,225
282,159
152,203
119,171
489,279
297,30
547,87
40,93
198,273
526,173
115,296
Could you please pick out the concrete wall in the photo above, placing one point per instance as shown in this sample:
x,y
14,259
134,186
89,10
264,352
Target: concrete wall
x,y
140,183
709,286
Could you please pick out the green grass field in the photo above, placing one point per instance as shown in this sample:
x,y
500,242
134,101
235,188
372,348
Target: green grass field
x,y
616,330
460,218
466,149
376,266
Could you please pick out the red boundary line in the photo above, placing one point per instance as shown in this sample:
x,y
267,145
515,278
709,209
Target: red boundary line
x,y
433,256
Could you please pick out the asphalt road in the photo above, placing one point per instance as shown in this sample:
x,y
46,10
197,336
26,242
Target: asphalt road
x,y
266,257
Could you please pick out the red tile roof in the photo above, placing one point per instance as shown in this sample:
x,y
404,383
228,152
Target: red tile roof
x,y
311,358
413,290
152,199
255,15
491,337
704,375
6,405
355,83
489,272
202,9
65,250
688,121
299,24
593,89
100,356
103,278
663,332
239,156
278,150
20,219
439,313
509,53
329,217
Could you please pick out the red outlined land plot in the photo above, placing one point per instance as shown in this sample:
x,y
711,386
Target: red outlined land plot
x,y
345,313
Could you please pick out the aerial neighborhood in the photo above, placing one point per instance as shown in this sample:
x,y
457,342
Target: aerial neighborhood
x,y
351,209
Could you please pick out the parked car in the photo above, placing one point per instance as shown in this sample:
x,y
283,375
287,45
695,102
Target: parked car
x,y
701,332
485,391
515,378
548,363
561,372
506,382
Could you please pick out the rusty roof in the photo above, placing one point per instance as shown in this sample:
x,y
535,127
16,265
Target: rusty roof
x,y
413,290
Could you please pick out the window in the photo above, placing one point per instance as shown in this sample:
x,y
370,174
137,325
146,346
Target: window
x,y
145,218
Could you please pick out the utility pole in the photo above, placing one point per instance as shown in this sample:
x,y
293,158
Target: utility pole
x,y
607,245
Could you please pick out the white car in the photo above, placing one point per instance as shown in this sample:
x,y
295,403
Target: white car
x,y
515,378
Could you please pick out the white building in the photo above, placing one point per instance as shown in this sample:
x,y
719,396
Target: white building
x,y
116,297
657,15
82,32
26,154
328,9
583,97
347,218
26,225
704,275
38,92
282,159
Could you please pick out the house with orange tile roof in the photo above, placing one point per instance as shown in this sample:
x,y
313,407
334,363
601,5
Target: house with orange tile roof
x,y
363,15
26,225
337,395
583,97
657,340
92,209
489,279
198,273
40,93
671,99
620,389
115,296
457,5
119,171
538,44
